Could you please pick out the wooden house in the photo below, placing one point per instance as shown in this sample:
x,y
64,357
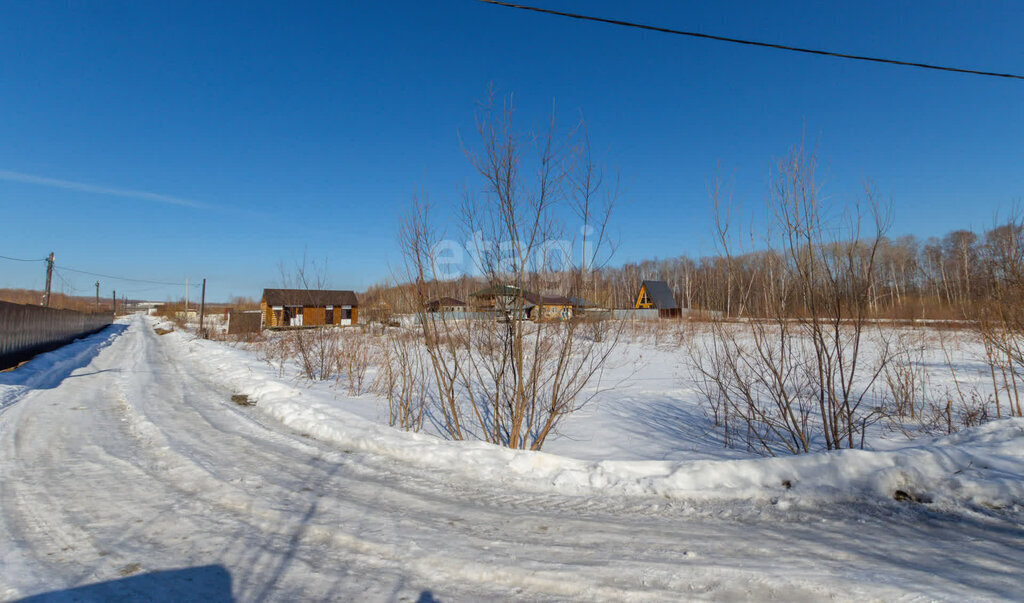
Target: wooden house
x,y
498,298
548,307
657,295
308,307
446,304
507,299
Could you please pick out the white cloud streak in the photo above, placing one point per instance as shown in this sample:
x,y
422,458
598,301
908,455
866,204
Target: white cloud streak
x,y
10,176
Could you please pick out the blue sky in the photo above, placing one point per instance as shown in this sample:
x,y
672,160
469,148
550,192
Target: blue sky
x,y
168,140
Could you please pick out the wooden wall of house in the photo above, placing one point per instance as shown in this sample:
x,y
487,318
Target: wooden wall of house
x,y
310,316
313,316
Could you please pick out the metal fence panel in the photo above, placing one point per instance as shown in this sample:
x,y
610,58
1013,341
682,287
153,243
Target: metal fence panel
x,y
245,321
631,314
446,316
27,330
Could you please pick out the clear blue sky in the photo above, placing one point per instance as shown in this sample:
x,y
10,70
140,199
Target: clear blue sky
x,y
165,140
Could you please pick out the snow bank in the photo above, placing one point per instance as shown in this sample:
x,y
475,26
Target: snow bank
x,y
983,466
47,370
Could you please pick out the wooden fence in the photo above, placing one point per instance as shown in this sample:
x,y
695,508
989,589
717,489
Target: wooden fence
x,y
27,330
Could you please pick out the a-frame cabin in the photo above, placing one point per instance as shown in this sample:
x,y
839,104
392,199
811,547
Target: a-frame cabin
x,y
657,295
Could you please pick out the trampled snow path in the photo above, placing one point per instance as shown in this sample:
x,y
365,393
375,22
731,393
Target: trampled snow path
x,y
121,457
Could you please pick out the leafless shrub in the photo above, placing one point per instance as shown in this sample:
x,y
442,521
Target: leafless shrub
x,y
596,328
912,405
318,350
905,377
356,352
275,351
1000,314
753,379
403,380
802,349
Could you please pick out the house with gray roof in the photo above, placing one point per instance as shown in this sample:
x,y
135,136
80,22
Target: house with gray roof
x,y
657,295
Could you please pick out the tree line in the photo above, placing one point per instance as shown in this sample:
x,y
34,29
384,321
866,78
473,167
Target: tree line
x,y
939,278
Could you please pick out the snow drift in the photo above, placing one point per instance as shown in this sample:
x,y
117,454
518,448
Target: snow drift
x,y
983,466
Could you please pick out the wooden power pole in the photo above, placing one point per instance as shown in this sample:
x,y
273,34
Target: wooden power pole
x,y
113,302
49,277
97,296
202,310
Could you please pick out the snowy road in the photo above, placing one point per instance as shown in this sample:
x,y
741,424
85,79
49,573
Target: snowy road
x,y
126,460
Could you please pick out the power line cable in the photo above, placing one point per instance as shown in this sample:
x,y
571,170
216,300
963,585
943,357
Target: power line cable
x,y
66,284
121,278
117,278
841,55
20,259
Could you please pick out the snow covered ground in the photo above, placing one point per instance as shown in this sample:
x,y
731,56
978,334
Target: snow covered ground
x,y
128,472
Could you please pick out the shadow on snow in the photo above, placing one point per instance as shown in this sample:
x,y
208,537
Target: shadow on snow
x,y
209,583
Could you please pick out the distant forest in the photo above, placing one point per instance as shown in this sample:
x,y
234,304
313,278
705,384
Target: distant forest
x,y
939,278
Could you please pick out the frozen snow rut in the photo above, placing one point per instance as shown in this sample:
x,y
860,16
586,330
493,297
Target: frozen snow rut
x,y
140,458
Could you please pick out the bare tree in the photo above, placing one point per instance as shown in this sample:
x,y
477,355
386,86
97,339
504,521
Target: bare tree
x,y
501,377
811,289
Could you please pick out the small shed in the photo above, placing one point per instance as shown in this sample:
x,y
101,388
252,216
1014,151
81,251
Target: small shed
x,y
308,307
657,295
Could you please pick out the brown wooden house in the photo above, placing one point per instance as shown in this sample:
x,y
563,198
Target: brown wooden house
x,y
308,307
508,299
548,307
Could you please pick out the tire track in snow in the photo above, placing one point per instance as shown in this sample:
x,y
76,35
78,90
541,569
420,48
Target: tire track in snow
x,y
198,481
235,500
487,533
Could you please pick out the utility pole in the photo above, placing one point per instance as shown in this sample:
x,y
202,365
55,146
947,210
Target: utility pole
x,y
97,296
49,276
186,298
202,309
113,302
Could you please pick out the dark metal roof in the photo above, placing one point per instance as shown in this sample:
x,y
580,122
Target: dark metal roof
x,y
529,296
312,298
579,302
547,300
660,295
496,290
529,299
447,302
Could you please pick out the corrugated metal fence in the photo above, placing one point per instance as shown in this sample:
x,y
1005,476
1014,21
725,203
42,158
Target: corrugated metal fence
x,y
443,316
244,321
27,330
